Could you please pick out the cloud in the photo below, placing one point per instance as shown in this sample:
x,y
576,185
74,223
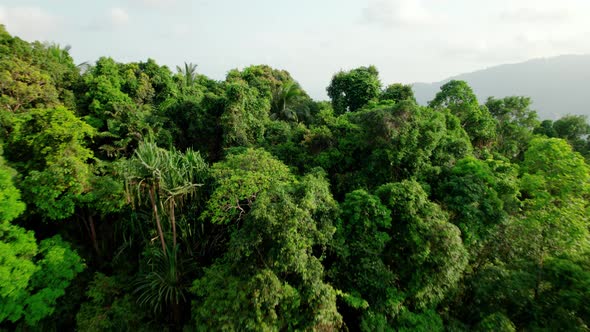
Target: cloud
x,y
119,16
29,22
398,13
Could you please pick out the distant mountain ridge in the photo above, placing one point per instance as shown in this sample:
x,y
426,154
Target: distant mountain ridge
x,y
557,86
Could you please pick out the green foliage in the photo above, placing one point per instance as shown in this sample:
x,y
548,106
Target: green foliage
x,y
359,244
572,127
554,174
244,116
553,168
118,100
270,277
543,246
33,277
575,129
34,75
108,307
57,267
546,129
496,322
24,86
195,121
367,212
477,121
47,148
167,178
470,194
188,74
423,322
259,303
239,180
286,99
398,92
387,142
18,248
10,203
352,90
163,283
426,250
516,122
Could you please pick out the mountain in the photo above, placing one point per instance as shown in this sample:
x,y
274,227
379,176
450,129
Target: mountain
x,y
557,86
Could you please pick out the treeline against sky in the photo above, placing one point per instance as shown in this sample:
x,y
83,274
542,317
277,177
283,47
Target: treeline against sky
x,y
134,197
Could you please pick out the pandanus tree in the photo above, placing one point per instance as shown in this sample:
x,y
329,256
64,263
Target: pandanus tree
x,y
167,178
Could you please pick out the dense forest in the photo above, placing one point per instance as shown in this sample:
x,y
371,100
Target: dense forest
x,y
134,197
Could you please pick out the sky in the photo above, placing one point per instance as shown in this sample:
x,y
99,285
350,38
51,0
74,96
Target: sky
x,y
407,40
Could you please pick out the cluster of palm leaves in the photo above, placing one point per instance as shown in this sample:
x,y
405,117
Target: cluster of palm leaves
x,y
188,73
284,102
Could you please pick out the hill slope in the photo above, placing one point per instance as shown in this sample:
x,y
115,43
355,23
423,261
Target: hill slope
x,y
557,86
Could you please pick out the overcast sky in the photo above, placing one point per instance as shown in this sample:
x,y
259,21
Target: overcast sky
x,y
408,40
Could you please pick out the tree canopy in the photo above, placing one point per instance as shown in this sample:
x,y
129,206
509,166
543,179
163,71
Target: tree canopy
x,y
135,197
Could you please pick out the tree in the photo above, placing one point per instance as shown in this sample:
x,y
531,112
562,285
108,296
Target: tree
x,y
477,121
117,100
168,178
24,86
516,122
397,258
547,241
245,115
32,276
352,90
108,307
188,73
47,146
425,250
283,99
574,129
470,192
404,140
239,180
397,92
546,129
554,174
271,267
362,233
11,205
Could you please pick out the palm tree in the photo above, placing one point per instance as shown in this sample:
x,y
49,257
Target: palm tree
x,y
283,98
165,284
61,54
168,178
182,175
189,73
143,176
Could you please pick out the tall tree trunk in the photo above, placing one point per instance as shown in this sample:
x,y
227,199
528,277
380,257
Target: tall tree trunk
x,y
173,221
93,235
157,217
